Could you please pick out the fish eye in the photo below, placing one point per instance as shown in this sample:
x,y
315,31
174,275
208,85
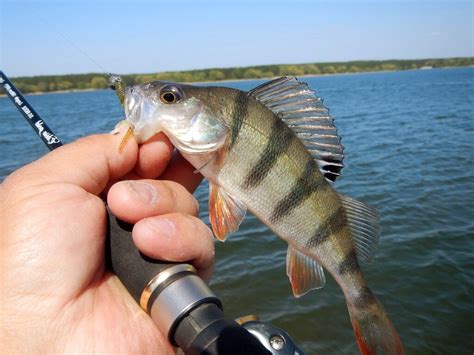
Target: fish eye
x,y
170,94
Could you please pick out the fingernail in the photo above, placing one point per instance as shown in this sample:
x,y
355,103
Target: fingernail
x,y
144,191
163,226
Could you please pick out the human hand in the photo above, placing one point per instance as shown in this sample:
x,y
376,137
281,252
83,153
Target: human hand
x,y
56,295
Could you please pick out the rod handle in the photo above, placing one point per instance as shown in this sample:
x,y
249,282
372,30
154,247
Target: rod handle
x,y
134,269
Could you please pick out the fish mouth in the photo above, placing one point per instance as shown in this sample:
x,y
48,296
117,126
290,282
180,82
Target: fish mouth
x,y
140,113
132,105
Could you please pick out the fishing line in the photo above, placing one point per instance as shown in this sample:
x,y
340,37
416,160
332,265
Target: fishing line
x,y
113,81
71,43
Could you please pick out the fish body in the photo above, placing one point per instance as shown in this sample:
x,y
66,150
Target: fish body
x,y
275,152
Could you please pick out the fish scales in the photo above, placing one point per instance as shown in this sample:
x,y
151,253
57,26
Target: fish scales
x,y
280,170
277,169
242,144
286,178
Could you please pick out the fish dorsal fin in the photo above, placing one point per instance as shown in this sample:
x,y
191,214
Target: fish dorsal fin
x,y
299,107
364,222
225,212
305,274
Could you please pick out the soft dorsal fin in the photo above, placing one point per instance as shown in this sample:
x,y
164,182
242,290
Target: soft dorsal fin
x,y
225,212
305,274
299,107
365,227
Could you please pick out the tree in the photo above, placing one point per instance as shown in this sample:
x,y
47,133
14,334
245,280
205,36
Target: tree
x,y
388,66
329,69
142,79
311,69
216,75
64,85
252,74
268,74
98,82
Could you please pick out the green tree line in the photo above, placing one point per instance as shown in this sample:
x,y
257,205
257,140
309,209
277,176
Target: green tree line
x,y
52,83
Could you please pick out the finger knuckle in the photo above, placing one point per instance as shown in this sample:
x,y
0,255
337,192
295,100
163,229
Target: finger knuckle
x,y
90,141
168,193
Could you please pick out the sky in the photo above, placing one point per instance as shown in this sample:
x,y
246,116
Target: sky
x,y
45,37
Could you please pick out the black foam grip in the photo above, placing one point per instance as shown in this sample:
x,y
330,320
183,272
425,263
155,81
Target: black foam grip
x,y
134,269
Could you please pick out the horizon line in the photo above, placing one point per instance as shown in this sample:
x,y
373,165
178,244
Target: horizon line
x,y
248,66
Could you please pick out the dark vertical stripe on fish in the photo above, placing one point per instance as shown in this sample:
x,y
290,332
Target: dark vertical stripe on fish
x,y
279,141
316,239
240,111
350,264
307,183
331,226
335,222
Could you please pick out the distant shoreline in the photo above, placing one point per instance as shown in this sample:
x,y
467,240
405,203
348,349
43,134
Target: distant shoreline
x,y
315,75
54,92
162,76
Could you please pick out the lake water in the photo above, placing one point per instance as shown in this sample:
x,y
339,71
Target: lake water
x,y
408,140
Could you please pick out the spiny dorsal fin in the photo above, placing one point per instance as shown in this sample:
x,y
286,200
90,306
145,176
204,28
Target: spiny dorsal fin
x,y
305,274
364,223
225,212
299,107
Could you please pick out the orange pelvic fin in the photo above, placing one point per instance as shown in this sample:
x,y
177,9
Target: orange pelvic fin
x,y
225,212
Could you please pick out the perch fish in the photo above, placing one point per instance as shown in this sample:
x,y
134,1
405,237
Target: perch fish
x,y
274,151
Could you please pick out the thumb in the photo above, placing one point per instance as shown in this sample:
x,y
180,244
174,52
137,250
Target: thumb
x,y
90,162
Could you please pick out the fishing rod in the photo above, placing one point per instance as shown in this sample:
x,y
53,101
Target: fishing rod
x,y
179,302
35,121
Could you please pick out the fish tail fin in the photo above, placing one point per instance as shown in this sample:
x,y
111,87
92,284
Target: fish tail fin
x,y
373,329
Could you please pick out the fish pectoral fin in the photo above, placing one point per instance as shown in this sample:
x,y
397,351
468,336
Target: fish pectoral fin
x,y
225,212
364,222
305,273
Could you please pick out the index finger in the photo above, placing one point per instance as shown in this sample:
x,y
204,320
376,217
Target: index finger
x,y
153,157
181,171
158,159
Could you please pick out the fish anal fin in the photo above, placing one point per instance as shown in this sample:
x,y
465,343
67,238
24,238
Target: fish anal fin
x,y
364,222
305,274
225,212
